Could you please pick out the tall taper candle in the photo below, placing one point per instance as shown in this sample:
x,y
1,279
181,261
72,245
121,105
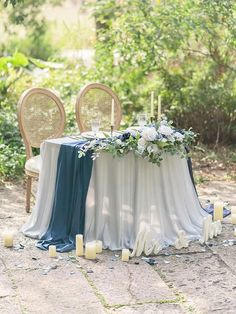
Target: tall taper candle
x,y
152,104
159,108
112,112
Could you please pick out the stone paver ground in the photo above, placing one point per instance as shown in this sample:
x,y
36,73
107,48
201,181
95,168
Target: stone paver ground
x,y
199,279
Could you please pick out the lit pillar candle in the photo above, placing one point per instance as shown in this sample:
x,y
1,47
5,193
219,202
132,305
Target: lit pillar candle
x,y
159,108
90,250
98,244
125,255
52,251
79,245
112,112
233,219
152,104
218,211
8,239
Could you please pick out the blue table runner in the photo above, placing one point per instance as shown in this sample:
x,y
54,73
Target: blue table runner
x,y
71,187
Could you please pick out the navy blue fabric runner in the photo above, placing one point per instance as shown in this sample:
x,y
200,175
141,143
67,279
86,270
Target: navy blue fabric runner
x,y
71,187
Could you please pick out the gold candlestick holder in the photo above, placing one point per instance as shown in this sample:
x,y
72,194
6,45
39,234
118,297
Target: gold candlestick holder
x,y
112,129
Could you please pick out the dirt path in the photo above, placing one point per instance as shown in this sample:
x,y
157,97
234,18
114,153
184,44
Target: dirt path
x,y
199,279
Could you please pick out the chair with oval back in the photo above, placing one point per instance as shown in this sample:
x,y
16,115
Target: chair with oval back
x,y
94,100
41,116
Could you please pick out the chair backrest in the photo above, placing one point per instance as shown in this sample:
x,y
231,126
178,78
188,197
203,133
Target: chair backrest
x,y
94,101
41,116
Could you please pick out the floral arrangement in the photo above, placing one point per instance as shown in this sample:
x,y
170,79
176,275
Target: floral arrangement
x,y
150,141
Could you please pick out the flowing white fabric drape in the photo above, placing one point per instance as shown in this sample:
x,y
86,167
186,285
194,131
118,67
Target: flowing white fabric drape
x,y
126,195
130,194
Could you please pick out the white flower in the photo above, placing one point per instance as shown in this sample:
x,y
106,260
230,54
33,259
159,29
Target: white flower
x,y
149,134
179,137
133,132
119,142
164,140
141,144
165,130
152,149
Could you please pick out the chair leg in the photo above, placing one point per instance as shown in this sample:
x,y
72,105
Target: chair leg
x,y
28,193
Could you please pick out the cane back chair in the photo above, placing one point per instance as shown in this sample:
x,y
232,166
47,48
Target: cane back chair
x,y
94,101
41,116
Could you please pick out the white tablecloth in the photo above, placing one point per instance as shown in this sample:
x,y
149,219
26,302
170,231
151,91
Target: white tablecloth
x,y
126,195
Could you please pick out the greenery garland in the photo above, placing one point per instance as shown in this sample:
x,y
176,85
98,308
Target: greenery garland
x,y
150,141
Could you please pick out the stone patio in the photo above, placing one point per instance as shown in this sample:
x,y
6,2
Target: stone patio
x,y
199,279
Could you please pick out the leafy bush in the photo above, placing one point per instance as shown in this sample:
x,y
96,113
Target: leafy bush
x,y
12,152
183,50
12,73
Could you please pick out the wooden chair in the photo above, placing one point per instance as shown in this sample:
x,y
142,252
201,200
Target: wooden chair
x,y
41,116
94,101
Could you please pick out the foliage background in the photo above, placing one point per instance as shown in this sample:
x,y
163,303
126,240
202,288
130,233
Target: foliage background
x,y
183,50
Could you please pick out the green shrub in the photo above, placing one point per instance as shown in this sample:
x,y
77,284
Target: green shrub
x,y
183,50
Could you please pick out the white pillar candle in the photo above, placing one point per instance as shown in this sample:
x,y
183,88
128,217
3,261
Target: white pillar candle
x,y
218,211
152,104
233,219
79,245
159,108
90,250
8,239
125,255
233,209
98,244
112,112
52,251
205,230
209,219
219,227
215,228
235,232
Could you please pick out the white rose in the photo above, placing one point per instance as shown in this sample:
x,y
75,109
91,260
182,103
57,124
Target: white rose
x,y
179,137
141,144
165,130
149,134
